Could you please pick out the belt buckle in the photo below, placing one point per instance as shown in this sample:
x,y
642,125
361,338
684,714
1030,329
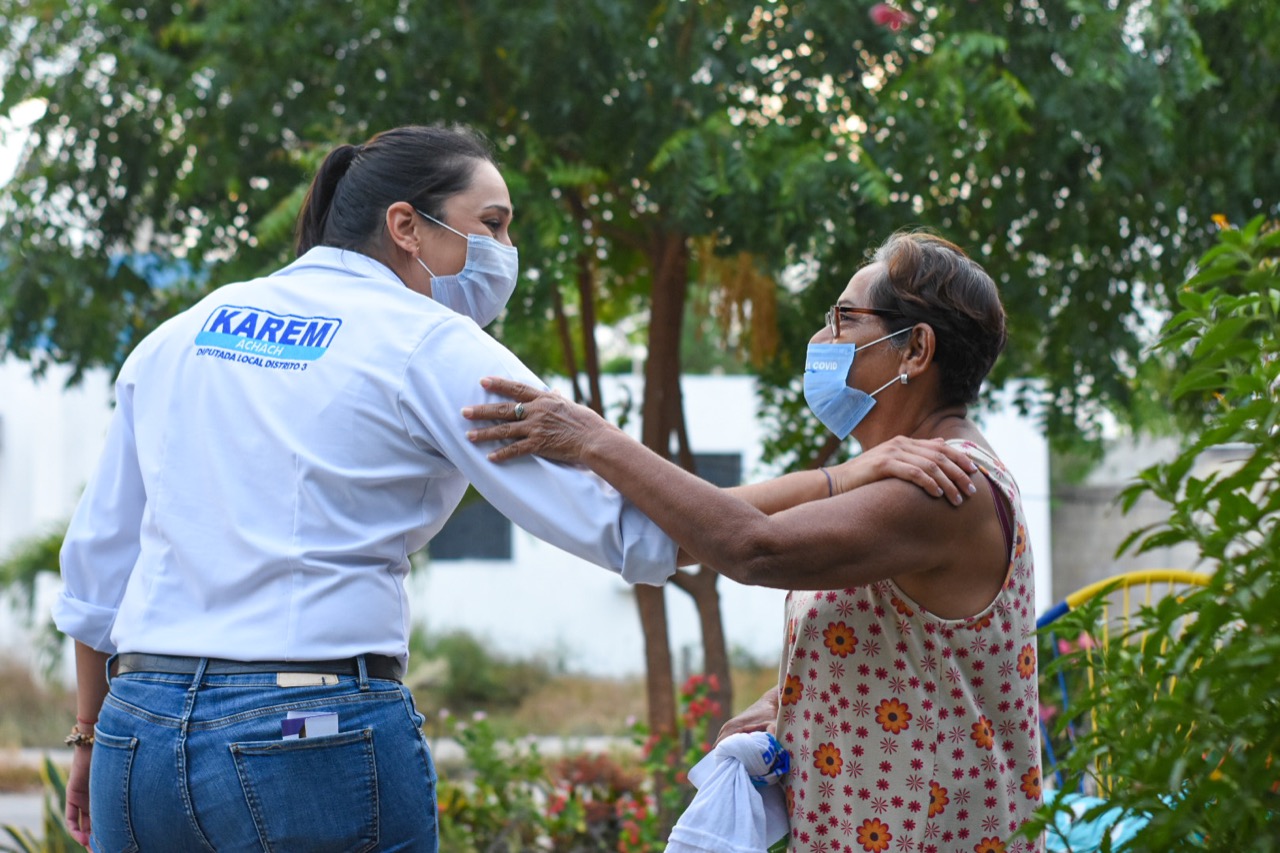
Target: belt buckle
x,y
305,679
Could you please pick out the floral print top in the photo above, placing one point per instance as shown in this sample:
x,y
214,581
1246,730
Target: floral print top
x,y
908,732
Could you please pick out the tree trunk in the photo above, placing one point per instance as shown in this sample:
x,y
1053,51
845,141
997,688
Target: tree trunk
x,y
590,353
566,343
669,260
586,276
701,586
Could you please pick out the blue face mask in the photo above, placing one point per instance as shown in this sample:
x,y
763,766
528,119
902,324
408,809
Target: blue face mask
x,y
826,385
480,290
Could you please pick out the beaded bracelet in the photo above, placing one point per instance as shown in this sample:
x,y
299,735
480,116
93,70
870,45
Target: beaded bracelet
x,y
78,738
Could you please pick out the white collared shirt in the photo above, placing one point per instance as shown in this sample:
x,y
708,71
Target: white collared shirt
x,y
280,449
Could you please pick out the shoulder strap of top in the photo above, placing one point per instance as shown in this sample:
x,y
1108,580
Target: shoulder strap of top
x,y
991,467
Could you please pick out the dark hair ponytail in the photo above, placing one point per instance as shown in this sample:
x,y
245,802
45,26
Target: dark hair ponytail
x,y
347,201
315,206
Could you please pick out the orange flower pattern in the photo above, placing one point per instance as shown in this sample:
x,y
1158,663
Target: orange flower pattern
x,y
893,716
874,836
791,690
938,800
828,760
1027,661
839,639
983,734
909,732
1031,784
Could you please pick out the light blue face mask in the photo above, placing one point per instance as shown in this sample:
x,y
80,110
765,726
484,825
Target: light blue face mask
x,y
826,385
480,290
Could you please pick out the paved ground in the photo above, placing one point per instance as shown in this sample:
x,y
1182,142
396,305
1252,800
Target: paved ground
x,y
25,811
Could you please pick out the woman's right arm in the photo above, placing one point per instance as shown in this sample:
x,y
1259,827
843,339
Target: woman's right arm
x,y
869,534
103,540
97,556
564,505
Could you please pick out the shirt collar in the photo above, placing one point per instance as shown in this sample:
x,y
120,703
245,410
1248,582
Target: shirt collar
x,y
341,261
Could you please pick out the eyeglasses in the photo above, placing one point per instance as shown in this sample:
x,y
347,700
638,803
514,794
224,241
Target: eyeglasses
x,y
834,312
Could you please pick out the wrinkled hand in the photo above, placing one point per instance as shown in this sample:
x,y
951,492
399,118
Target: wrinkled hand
x,y
932,464
78,795
761,716
552,426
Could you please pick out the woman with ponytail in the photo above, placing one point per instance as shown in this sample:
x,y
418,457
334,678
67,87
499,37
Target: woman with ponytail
x,y
234,574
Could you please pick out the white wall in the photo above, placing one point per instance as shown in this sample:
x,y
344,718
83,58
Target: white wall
x,y
542,601
1022,446
50,439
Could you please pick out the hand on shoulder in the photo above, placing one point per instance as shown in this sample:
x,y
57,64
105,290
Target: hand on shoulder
x,y
936,467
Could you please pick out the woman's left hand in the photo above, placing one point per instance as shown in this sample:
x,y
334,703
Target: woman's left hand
x,y
538,422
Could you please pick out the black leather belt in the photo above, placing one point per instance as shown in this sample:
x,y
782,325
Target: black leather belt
x,y
377,666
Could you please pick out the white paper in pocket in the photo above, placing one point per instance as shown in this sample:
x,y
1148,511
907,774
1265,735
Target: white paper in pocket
x,y
299,724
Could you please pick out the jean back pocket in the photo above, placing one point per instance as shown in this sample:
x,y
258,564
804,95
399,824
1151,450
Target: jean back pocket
x,y
318,794
110,776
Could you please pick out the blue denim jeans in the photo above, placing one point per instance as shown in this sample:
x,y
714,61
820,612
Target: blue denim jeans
x,y
198,763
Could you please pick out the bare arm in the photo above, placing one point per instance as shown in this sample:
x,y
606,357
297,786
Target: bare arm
x,y
91,689
936,467
879,529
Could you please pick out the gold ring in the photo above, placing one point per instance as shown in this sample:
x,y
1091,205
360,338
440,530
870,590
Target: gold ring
x,y
519,411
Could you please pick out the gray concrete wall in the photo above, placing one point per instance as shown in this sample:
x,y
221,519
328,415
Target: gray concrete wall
x,y
1088,527
1088,524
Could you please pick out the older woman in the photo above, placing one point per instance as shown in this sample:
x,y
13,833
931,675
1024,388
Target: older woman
x,y
907,692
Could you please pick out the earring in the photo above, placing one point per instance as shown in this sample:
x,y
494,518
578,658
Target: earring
x,y
903,378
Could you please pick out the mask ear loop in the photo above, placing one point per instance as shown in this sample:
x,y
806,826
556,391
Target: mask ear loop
x,y
901,377
441,224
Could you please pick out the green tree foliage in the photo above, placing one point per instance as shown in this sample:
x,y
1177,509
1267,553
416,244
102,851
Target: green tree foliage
x,y
19,573
1076,148
1186,724
20,568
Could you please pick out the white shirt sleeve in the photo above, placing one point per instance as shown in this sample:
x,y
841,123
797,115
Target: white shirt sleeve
x,y
102,541
566,505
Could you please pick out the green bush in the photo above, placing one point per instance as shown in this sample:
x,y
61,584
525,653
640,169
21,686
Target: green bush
x,y
1187,724
476,678
20,570
509,799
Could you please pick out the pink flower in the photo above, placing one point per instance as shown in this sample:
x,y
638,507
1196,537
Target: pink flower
x,y
884,15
